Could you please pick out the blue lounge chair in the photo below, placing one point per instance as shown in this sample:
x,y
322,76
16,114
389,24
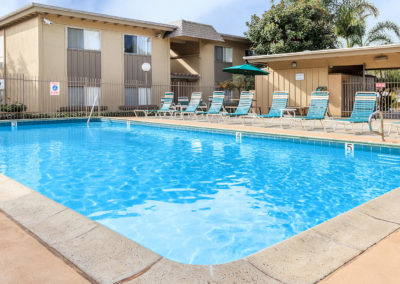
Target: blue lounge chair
x,y
217,104
244,106
316,111
279,102
194,103
364,106
167,104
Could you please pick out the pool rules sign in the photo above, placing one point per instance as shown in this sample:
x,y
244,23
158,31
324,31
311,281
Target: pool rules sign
x,y
54,88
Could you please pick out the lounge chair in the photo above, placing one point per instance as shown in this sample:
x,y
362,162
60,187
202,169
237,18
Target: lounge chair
x,y
217,104
279,102
364,106
166,108
183,103
244,107
245,103
194,103
317,110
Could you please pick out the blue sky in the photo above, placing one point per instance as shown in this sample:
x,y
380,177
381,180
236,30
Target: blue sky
x,y
227,16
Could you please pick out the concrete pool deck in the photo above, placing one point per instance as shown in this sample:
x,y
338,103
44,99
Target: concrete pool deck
x,y
332,251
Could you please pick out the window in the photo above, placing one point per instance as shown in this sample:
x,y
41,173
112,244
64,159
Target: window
x,y
1,51
83,96
249,52
92,94
137,96
83,39
131,98
144,96
137,45
223,54
76,96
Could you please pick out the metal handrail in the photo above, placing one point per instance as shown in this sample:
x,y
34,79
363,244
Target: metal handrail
x,y
382,133
91,111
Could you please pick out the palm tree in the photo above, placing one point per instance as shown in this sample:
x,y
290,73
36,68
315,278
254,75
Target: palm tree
x,y
350,18
379,34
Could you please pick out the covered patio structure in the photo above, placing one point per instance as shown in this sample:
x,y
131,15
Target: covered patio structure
x,y
342,72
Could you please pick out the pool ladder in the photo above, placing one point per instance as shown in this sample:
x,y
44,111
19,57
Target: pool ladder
x,y
382,133
91,110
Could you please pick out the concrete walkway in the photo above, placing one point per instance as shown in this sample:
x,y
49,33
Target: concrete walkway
x,y
23,259
378,264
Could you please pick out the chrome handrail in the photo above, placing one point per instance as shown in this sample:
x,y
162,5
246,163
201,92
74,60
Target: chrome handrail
x,y
91,111
382,133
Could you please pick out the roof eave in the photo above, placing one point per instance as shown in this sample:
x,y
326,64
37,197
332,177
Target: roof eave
x,y
328,53
35,9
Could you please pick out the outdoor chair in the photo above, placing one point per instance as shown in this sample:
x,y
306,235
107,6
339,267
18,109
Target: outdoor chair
x,y
244,107
316,112
279,102
194,103
364,107
216,105
165,109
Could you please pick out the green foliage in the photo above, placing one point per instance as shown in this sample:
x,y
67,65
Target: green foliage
x,y
239,82
15,107
350,19
292,26
379,34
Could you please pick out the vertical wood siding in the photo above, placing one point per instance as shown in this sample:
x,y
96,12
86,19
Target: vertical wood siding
x,y
285,80
84,64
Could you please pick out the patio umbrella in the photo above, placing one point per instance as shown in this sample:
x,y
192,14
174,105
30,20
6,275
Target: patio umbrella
x,y
245,69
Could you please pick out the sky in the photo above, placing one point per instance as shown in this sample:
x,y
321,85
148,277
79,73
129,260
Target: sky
x,y
227,16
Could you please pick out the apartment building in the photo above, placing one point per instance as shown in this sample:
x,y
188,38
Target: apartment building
x,y
92,54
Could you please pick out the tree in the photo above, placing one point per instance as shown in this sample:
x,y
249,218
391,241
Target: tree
x,y
292,26
379,34
350,19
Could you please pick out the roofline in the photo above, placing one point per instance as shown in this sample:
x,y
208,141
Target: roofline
x,y
35,9
235,38
325,53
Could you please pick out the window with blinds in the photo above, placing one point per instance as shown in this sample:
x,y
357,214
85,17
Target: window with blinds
x,y
137,45
223,54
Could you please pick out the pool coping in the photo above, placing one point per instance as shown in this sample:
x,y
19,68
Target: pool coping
x,y
252,130
108,257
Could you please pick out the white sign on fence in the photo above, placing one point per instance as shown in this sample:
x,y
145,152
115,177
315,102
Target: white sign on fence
x,y
1,84
54,88
299,76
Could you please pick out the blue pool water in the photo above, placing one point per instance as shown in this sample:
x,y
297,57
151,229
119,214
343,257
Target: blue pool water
x,y
193,197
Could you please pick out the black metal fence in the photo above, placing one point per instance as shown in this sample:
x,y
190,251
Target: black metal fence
x,y
388,94
23,97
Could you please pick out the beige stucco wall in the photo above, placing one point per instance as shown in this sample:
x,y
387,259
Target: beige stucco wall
x,y
206,68
22,48
22,59
160,62
54,59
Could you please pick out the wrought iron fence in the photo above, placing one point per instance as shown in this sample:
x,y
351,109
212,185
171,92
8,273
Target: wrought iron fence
x,y
23,97
388,94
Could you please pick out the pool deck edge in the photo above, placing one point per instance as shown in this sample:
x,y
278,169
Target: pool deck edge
x,y
267,131
108,257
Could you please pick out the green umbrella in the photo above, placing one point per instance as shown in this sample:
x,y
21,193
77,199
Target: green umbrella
x,y
245,69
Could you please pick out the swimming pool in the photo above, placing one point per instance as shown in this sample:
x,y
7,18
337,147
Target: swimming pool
x,y
192,196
